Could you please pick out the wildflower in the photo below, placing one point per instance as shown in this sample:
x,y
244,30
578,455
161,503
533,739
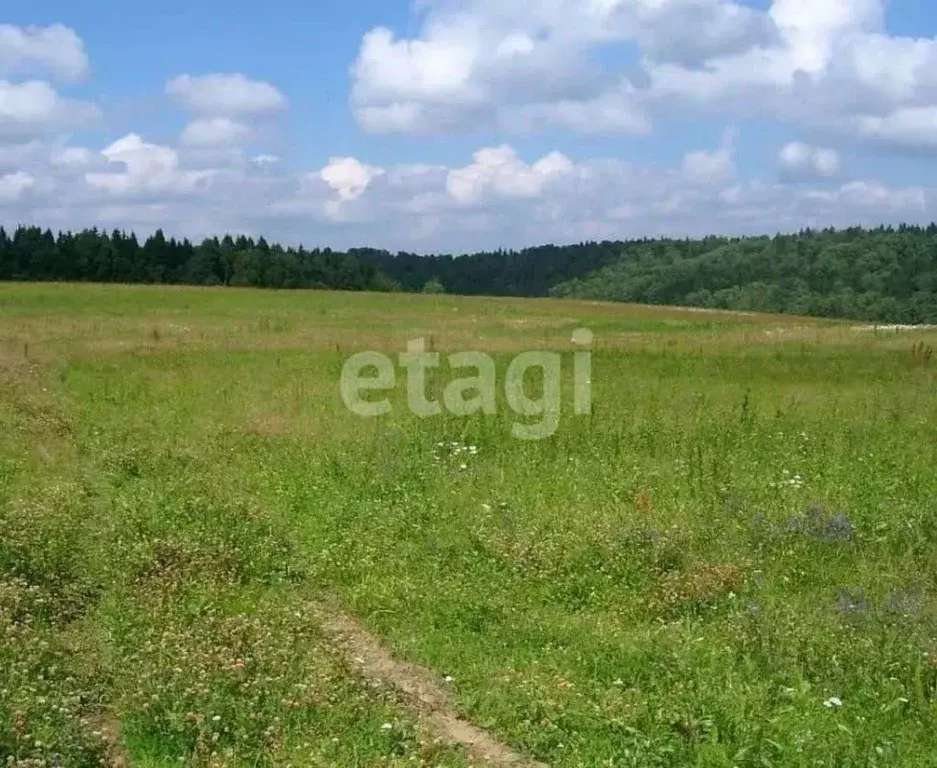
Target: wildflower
x,y
817,524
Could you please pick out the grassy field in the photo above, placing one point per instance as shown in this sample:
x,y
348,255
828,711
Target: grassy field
x,y
731,562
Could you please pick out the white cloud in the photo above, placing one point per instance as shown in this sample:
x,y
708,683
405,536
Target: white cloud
x,y
875,196
486,64
225,95
55,49
477,65
215,132
829,68
812,28
265,160
15,156
33,102
833,67
14,185
712,166
75,157
799,161
616,111
349,177
691,32
501,200
523,66
911,127
499,173
145,167
497,199
34,107
439,68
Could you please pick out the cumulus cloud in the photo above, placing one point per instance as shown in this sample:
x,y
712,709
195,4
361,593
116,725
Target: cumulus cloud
x,y
691,32
833,67
500,199
520,66
143,167
215,132
912,128
74,157
225,95
496,198
712,166
485,64
31,109
56,50
34,108
498,173
349,177
828,67
614,65
799,161
14,185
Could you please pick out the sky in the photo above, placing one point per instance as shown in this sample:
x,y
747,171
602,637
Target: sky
x,y
459,125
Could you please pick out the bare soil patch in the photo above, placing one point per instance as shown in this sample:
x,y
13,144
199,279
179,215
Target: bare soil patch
x,y
419,687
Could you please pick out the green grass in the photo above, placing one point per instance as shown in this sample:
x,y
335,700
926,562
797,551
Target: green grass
x,y
742,533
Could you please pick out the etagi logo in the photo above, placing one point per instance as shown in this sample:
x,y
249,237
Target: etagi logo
x,y
476,390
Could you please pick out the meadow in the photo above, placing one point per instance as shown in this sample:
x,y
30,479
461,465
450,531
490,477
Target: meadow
x,y
207,560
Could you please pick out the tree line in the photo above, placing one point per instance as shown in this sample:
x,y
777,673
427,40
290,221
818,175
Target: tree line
x,y
886,274
93,256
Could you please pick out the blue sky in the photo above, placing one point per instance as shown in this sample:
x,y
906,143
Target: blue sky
x,y
462,124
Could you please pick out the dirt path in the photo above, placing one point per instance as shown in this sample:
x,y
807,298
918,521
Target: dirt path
x,y
419,687
109,728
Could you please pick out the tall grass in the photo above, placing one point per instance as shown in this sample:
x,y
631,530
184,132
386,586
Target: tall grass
x,y
730,562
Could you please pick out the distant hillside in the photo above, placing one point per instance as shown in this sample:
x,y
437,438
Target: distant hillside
x,y
530,272
887,274
884,275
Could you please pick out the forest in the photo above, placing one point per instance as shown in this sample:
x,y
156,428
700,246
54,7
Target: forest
x,y
32,254
888,274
